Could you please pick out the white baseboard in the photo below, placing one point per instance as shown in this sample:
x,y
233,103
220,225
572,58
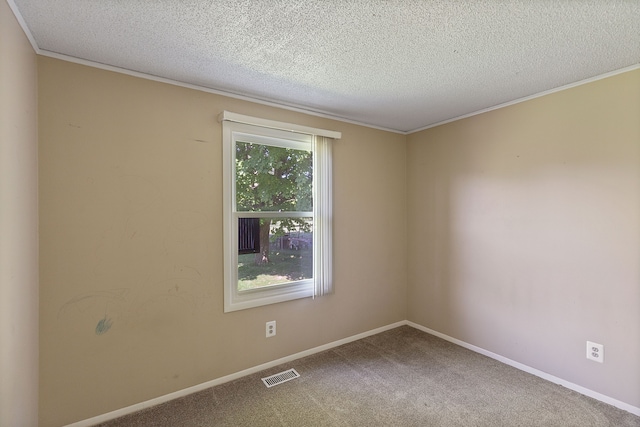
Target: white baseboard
x,y
590,393
190,390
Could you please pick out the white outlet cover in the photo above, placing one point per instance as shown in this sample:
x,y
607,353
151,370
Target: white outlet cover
x,y
595,352
271,329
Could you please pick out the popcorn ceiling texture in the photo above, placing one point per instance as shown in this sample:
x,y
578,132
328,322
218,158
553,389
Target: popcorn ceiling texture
x,y
401,65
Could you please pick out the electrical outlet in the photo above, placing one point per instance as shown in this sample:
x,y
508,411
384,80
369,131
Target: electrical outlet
x,y
595,352
271,329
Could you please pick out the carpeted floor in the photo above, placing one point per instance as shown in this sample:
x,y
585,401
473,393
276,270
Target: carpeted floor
x,y
402,377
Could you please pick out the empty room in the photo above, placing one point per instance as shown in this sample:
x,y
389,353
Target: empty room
x,y
394,212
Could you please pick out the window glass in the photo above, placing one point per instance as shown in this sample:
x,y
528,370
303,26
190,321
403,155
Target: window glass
x,y
270,178
290,254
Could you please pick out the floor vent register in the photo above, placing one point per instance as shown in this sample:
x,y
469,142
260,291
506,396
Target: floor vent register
x,y
280,378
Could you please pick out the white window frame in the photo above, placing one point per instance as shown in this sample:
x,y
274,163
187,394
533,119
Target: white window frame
x,y
236,127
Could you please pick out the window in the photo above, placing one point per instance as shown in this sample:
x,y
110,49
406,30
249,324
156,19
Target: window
x,y
277,211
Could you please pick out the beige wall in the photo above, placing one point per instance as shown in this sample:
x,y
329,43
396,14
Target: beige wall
x,y
131,230
18,226
525,232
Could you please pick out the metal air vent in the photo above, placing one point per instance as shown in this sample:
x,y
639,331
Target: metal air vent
x,y
280,378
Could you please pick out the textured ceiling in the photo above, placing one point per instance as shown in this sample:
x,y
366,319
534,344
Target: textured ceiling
x,y
400,65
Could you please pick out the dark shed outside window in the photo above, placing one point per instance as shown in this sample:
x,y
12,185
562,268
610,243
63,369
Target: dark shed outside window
x,y
248,235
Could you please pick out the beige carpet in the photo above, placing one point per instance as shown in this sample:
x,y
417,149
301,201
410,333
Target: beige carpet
x,y
402,377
